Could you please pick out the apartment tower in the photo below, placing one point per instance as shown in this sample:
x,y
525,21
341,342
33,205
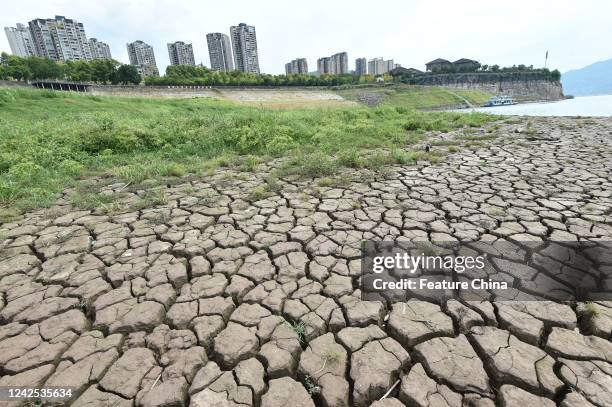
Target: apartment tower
x,y
99,49
181,53
143,58
361,66
297,66
60,39
220,52
244,45
20,41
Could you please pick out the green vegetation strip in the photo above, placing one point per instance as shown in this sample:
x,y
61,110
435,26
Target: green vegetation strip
x,y
50,139
413,96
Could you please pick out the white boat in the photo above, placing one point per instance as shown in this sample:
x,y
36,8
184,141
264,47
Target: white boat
x,y
500,101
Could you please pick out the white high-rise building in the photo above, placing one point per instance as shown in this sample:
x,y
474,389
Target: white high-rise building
x,y
380,66
60,39
20,41
99,49
181,53
244,45
220,52
143,58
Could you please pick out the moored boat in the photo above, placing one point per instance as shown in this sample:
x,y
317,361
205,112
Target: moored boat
x,y
500,101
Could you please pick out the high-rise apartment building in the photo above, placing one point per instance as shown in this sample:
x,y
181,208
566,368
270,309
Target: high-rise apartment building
x,y
323,65
361,66
20,41
220,52
60,39
244,45
299,65
380,66
181,53
337,64
142,57
99,49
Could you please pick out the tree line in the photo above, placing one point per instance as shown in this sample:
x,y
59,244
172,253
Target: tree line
x,y
185,75
476,68
106,71
102,71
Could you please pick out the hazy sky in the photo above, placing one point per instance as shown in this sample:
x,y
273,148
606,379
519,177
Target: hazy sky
x,y
411,32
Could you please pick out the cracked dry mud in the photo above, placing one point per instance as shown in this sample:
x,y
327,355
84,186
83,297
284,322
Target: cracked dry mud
x,y
213,300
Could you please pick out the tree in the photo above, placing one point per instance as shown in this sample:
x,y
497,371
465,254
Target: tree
x,y
78,71
556,75
15,67
103,70
127,74
43,68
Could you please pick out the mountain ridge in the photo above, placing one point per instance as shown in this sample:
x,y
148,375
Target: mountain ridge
x,y
593,79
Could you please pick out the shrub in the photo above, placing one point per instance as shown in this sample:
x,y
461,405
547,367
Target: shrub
x,y
351,158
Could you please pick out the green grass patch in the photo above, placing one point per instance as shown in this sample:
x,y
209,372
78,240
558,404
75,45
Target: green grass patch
x,y
415,97
50,139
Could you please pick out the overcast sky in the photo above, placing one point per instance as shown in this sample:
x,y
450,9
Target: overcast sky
x,y
411,32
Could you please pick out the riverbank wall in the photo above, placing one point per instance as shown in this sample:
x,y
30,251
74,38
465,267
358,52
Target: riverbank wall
x,y
522,86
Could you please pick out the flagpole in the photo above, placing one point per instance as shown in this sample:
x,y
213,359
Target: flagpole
x,y
546,59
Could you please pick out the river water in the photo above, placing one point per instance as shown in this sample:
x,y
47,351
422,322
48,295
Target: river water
x,y
579,106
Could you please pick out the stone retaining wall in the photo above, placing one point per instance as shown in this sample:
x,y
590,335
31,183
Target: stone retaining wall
x,y
521,86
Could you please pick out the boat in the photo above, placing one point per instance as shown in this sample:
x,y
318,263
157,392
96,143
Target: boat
x,y
500,101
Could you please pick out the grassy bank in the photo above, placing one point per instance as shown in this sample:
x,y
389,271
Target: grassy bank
x,y
49,139
414,97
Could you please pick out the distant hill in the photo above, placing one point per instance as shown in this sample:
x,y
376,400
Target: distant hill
x,y
595,79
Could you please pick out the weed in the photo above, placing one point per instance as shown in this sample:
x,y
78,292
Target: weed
x,y
272,184
351,158
591,310
300,330
8,214
257,194
209,197
249,163
325,182
588,316
173,170
333,357
402,157
312,165
92,200
188,189
151,198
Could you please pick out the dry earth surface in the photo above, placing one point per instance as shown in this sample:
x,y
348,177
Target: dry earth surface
x,y
213,299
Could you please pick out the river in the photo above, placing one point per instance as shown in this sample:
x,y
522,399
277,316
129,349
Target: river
x,y
580,106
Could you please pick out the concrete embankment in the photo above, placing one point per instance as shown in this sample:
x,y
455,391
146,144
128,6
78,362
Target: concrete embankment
x,y
280,96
